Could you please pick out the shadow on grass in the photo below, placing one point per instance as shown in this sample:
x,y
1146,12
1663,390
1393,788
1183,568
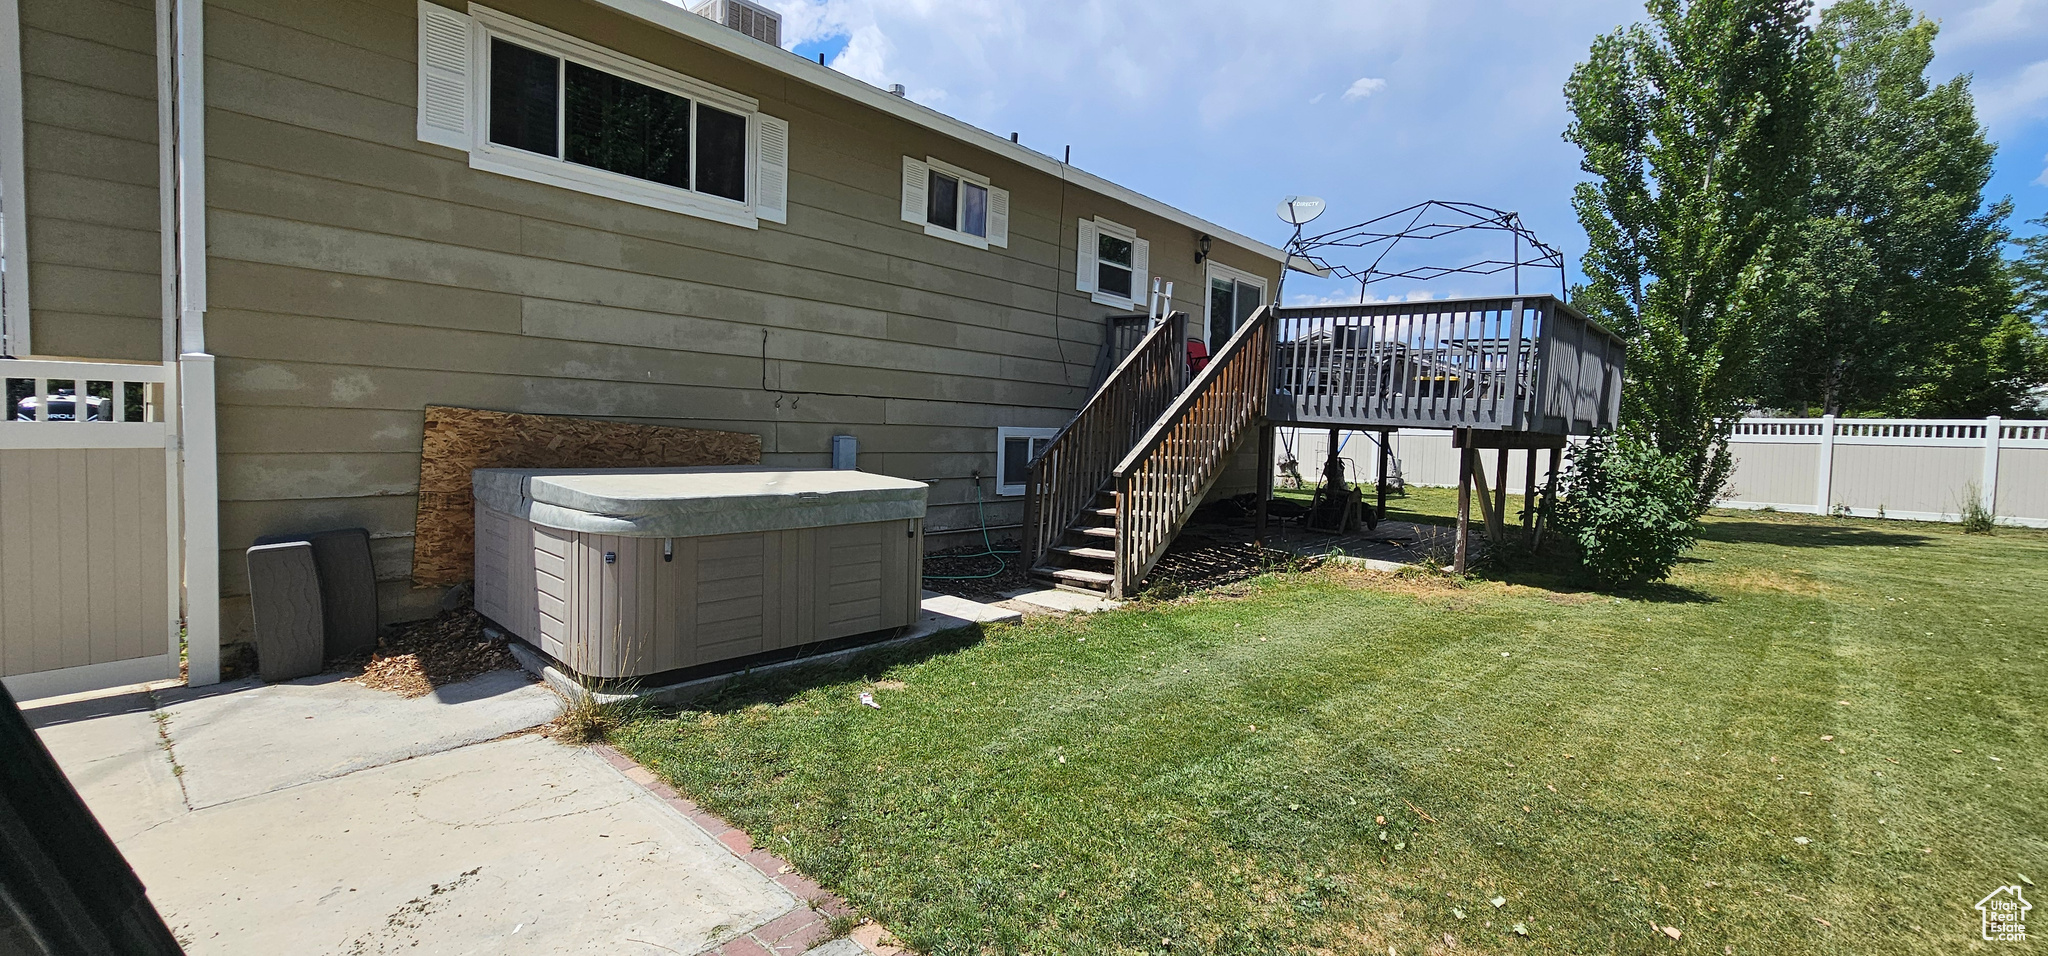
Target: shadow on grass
x,y
782,684
1801,534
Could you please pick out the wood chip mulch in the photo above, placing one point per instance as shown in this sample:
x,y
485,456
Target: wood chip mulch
x,y
959,570
413,659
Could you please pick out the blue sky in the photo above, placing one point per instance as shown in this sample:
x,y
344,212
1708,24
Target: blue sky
x,y
1222,107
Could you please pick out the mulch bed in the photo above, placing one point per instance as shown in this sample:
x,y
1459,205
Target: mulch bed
x,y
962,562
413,659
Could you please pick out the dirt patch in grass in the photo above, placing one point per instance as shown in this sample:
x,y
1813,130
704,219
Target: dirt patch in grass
x,y
413,659
1780,580
1414,582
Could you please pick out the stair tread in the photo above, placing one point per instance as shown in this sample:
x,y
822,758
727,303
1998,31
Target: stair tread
x,y
1093,554
1075,574
1097,532
1105,512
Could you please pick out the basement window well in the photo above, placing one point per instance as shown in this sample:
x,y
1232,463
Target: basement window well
x,y
1016,449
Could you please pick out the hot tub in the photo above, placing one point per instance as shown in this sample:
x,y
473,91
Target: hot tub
x,y
632,572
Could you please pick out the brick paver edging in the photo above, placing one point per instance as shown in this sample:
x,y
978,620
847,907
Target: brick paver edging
x,y
793,932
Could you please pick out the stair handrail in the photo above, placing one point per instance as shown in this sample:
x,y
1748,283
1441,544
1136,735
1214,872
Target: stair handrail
x,y
1164,476
1077,463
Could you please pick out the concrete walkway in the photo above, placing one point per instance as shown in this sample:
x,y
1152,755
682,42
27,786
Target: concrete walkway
x,y
323,817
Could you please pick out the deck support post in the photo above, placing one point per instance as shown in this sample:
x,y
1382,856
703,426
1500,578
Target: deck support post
x,y
1464,539
1265,485
1549,498
1528,494
1385,456
1500,491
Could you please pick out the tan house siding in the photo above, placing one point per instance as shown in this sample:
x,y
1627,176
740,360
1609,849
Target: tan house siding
x,y
89,149
356,275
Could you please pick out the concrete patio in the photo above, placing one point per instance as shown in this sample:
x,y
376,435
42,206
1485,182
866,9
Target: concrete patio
x,y
320,816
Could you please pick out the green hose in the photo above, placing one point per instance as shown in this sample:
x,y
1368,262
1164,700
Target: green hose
x,y
988,548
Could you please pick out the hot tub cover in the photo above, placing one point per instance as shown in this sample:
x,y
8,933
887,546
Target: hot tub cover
x,y
688,502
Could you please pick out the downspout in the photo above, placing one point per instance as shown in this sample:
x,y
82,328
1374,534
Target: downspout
x,y
196,429
14,314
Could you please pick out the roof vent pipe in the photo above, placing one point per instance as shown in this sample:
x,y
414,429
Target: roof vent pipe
x,y
896,88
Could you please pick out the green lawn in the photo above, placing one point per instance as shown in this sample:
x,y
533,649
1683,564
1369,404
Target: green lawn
x,y
1212,775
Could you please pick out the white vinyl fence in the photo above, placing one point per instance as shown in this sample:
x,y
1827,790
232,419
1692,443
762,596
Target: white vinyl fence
x,y
1920,470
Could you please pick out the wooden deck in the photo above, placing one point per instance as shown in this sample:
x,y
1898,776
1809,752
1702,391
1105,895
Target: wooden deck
x,y
1522,363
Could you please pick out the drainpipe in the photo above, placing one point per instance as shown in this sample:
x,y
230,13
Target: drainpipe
x,y
196,431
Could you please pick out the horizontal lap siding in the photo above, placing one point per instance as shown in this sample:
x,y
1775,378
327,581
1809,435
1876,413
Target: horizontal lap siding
x,y
90,149
358,275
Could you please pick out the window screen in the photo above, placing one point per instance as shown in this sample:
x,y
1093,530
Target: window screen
x,y
721,153
524,98
1113,265
974,209
616,124
1017,460
942,201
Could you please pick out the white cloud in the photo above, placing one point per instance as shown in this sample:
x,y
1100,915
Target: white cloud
x,y
2043,178
2021,97
1301,299
1366,86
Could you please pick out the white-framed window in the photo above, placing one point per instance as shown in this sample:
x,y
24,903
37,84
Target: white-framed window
x,y
1233,296
955,204
1016,449
1111,263
528,102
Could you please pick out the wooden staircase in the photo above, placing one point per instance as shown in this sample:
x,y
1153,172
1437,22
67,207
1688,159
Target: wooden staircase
x,y
1112,490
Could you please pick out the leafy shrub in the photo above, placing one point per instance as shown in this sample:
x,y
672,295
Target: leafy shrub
x,y
1629,509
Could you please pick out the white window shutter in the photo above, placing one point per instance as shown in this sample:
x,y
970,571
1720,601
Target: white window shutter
x,y
1084,258
444,62
916,179
1141,261
998,217
771,199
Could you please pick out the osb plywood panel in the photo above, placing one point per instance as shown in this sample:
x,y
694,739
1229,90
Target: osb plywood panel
x,y
460,440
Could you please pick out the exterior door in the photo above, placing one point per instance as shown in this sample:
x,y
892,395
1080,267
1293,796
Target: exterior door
x,y
1233,297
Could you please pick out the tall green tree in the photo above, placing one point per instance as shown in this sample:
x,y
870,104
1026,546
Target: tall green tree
x,y
2030,273
1894,287
1695,128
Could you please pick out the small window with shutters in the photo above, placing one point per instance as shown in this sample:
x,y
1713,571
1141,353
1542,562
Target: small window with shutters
x,y
1111,263
527,102
955,204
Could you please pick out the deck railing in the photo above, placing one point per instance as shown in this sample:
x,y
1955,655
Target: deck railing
x,y
1074,468
1166,473
1524,363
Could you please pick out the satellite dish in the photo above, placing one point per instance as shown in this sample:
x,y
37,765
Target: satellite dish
x,y
1300,210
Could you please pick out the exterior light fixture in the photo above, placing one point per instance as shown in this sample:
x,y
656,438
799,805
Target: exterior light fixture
x,y
1202,249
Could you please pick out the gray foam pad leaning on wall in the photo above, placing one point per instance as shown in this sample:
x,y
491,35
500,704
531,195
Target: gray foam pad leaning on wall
x,y
284,593
348,588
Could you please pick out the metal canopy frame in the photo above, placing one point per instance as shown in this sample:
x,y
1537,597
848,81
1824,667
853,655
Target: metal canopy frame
x,y
1376,239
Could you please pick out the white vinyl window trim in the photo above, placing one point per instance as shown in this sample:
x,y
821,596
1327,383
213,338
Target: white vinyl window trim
x,y
917,197
1088,264
454,111
1215,271
1009,439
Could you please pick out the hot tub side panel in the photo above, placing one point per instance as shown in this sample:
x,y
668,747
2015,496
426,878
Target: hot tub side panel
x,y
611,606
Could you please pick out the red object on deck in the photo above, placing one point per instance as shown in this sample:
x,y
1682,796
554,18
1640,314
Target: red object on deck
x,y
1198,356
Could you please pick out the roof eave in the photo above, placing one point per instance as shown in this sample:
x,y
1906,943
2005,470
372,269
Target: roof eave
x,y
675,19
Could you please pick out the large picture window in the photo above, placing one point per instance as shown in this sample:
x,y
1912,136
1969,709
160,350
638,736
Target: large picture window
x,y
556,107
528,102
